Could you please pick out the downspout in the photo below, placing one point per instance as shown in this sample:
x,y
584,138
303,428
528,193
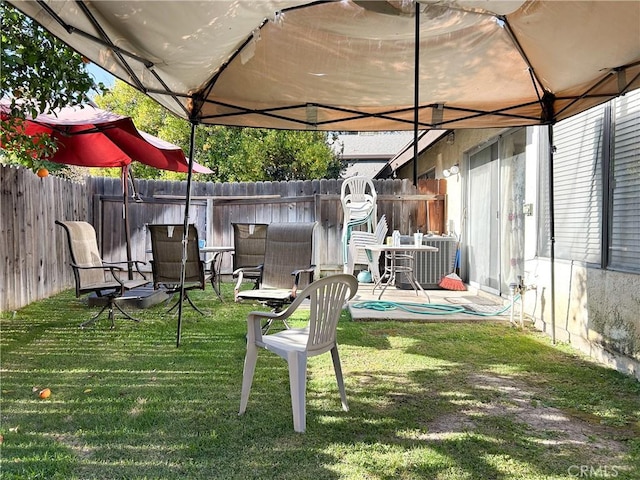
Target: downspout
x,y
607,185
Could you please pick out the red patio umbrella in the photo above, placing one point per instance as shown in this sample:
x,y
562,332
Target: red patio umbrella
x,y
90,137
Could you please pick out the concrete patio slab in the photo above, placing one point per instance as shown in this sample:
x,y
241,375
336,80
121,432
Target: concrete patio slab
x,y
404,305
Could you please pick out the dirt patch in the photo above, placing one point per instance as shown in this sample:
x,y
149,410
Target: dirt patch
x,y
549,426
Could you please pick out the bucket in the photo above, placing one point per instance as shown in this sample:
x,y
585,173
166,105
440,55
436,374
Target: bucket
x,y
364,276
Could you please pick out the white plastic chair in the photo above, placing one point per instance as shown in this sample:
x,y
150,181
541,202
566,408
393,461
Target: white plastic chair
x,y
356,255
328,297
358,197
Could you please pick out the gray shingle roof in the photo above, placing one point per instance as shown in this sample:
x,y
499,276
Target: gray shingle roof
x,y
383,145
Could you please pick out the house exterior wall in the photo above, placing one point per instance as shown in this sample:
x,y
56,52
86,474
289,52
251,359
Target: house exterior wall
x,y
596,310
443,155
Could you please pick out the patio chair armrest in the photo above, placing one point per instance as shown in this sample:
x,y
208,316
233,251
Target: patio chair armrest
x,y
207,264
242,270
296,273
103,267
240,274
364,238
135,263
254,326
296,277
112,268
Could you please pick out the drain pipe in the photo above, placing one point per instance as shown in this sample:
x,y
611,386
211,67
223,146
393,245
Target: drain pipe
x,y
516,291
524,289
512,296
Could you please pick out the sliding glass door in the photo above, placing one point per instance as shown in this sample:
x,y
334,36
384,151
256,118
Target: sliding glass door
x,y
495,220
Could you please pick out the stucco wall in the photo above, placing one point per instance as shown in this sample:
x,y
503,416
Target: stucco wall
x,y
597,311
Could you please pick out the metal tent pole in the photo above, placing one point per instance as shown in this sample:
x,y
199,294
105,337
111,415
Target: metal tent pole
x,y
552,235
192,141
416,95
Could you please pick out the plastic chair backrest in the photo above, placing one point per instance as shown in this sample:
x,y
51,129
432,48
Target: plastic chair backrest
x,y
381,230
328,297
360,239
358,197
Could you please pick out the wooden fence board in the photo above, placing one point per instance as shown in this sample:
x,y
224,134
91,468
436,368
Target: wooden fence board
x,y
7,246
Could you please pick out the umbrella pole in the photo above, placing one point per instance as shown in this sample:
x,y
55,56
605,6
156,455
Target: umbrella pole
x,y
125,217
192,141
552,236
416,96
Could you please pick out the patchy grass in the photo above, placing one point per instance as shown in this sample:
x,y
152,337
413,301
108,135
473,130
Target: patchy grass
x,y
427,401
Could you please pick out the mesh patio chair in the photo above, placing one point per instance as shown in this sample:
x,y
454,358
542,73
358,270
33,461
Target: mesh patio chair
x,y
166,266
107,280
249,241
327,298
287,265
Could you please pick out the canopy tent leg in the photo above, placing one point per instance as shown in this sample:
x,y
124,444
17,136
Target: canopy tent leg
x,y
416,95
192,142
552,235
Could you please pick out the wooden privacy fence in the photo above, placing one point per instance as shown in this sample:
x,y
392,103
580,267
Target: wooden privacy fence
x,y
215,206
35,251
35,260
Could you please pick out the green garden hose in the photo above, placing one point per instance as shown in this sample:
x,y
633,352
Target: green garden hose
x,y
426,308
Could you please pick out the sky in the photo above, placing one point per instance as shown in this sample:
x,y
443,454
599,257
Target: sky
x,y
101,75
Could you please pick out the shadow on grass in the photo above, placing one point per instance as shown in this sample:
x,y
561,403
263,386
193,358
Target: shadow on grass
x,y
500,392
127,403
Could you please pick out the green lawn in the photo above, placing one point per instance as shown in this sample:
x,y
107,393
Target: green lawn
x,y
427,401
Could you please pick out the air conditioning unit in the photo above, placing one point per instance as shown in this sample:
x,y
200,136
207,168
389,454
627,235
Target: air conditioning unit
x,y
430,267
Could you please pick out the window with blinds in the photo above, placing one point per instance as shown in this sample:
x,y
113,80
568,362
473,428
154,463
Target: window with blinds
x,y
624,243
597,216
577,175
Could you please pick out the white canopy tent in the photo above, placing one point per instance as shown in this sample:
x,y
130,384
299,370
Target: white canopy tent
x,y
349,65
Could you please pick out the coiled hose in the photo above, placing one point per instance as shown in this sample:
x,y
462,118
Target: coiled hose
x,y
427,308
